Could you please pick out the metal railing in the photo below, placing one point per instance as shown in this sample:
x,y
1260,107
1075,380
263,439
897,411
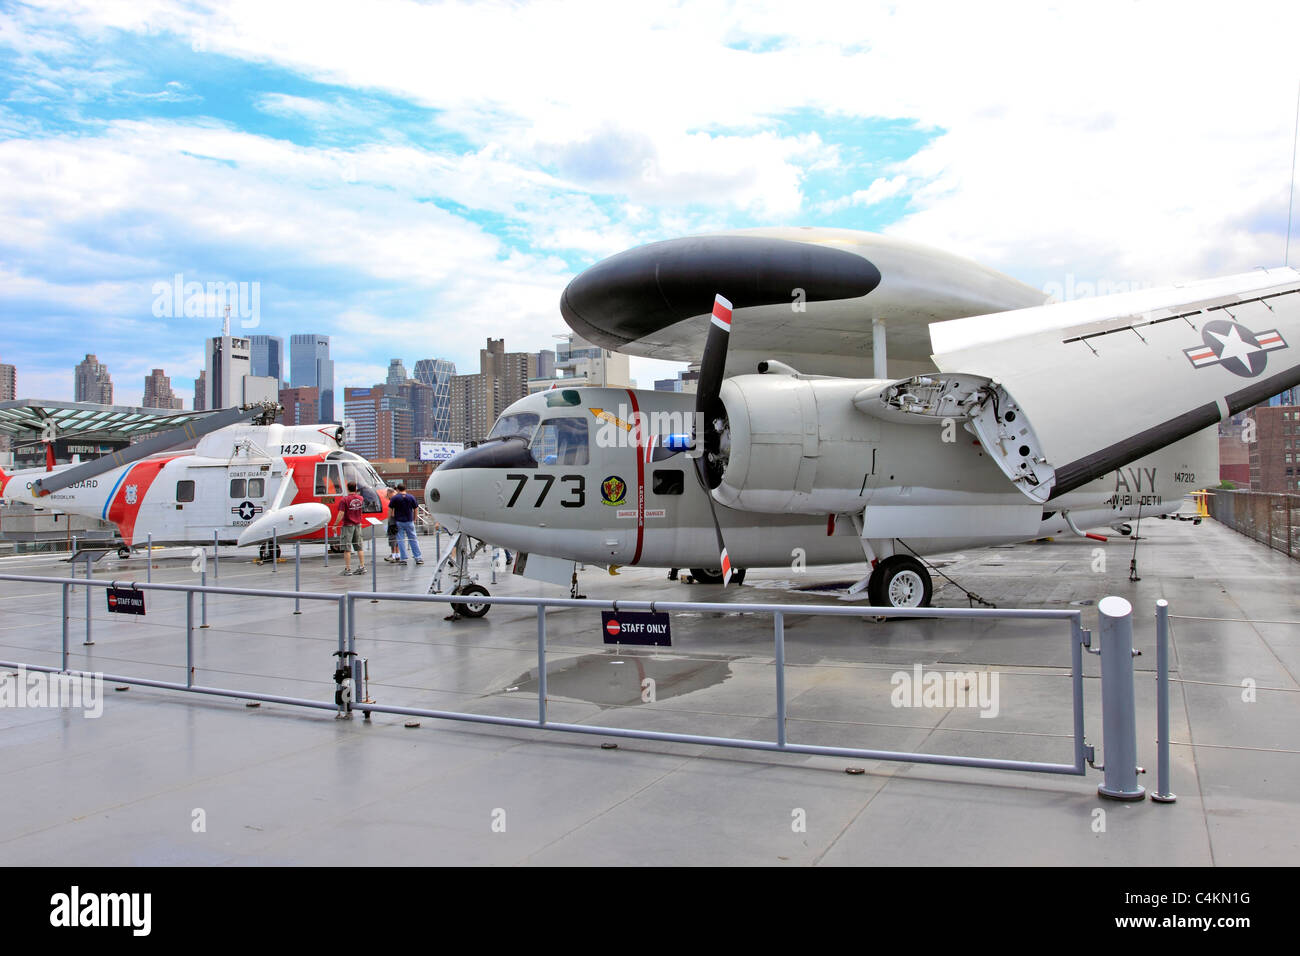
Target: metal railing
x,y
347,667
1271,519
1115,650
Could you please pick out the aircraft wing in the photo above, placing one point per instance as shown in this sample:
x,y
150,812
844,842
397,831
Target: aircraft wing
x,y
1080,388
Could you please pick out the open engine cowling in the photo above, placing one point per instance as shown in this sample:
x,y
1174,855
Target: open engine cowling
x,y
788,444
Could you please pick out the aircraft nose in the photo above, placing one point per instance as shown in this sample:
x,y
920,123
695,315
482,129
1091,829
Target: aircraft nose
x,y
442,496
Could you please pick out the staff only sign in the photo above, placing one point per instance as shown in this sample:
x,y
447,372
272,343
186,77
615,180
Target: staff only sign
x,y
636,627
126,600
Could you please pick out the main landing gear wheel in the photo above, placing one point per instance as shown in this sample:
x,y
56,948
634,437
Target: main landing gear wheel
x,y
471,609
124,552
900,581
714,575
264,552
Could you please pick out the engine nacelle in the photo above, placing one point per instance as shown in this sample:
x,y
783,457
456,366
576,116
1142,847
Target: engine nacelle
x,y
790,444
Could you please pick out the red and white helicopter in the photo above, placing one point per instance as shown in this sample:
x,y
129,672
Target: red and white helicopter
x,y
245,482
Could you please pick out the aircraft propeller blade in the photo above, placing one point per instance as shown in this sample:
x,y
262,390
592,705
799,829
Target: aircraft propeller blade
x,y
150,446
708,408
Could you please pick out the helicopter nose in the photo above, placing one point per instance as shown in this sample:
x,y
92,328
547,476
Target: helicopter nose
x,y
442,496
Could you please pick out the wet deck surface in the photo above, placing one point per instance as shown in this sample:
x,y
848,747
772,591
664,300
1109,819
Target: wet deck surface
x,y
279,784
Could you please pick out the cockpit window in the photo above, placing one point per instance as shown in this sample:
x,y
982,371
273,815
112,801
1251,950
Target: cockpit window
x,y
561,441
519,424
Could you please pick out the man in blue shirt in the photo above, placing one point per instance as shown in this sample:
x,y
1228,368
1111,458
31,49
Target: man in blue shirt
x,y
404,507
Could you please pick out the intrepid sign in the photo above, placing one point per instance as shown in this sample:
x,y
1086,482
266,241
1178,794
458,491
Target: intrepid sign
x,y
126,600
636,627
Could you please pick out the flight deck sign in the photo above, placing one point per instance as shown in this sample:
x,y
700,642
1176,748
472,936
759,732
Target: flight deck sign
x,y
126,601
636,627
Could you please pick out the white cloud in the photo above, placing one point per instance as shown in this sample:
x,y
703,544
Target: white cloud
x,y
879,190
1118,141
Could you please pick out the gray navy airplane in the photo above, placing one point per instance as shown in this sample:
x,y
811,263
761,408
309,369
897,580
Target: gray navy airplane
x,y
860,398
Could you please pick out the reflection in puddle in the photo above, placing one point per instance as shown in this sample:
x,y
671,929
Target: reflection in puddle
x,y
611,680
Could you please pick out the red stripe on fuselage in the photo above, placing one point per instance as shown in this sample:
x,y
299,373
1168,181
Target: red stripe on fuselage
x,y
640,479
140,476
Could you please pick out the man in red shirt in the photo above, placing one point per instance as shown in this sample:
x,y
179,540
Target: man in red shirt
x,y
349,511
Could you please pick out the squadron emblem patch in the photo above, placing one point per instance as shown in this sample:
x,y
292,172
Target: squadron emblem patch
x,y
613,490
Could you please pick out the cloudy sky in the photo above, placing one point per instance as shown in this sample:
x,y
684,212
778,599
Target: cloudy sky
x,y
410,178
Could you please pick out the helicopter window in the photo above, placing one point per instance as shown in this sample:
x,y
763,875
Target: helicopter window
x,y
328,481
184,491
364,477
256,487
669,481
561,441
518,424
236,487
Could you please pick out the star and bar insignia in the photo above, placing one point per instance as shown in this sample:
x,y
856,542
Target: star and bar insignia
x,y
1235,347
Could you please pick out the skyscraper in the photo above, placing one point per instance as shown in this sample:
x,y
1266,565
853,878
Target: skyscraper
x,y
227,365
201,391
8,383
266,353
93,383
8,392
396,372
381,423
158,391
438,373
477,400
300,406
310,366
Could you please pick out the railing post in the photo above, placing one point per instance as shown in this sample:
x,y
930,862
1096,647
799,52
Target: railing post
x,y
216,557
343,692
189,638
148,568
88,642
275,550
778,629
350,631
1162,793
327,546
65,625
203,580
1076,679
541,665
297,575
374,561
1119,720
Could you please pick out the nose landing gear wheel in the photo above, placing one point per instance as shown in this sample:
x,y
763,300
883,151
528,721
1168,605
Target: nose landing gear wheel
x,y
471,609
900,581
